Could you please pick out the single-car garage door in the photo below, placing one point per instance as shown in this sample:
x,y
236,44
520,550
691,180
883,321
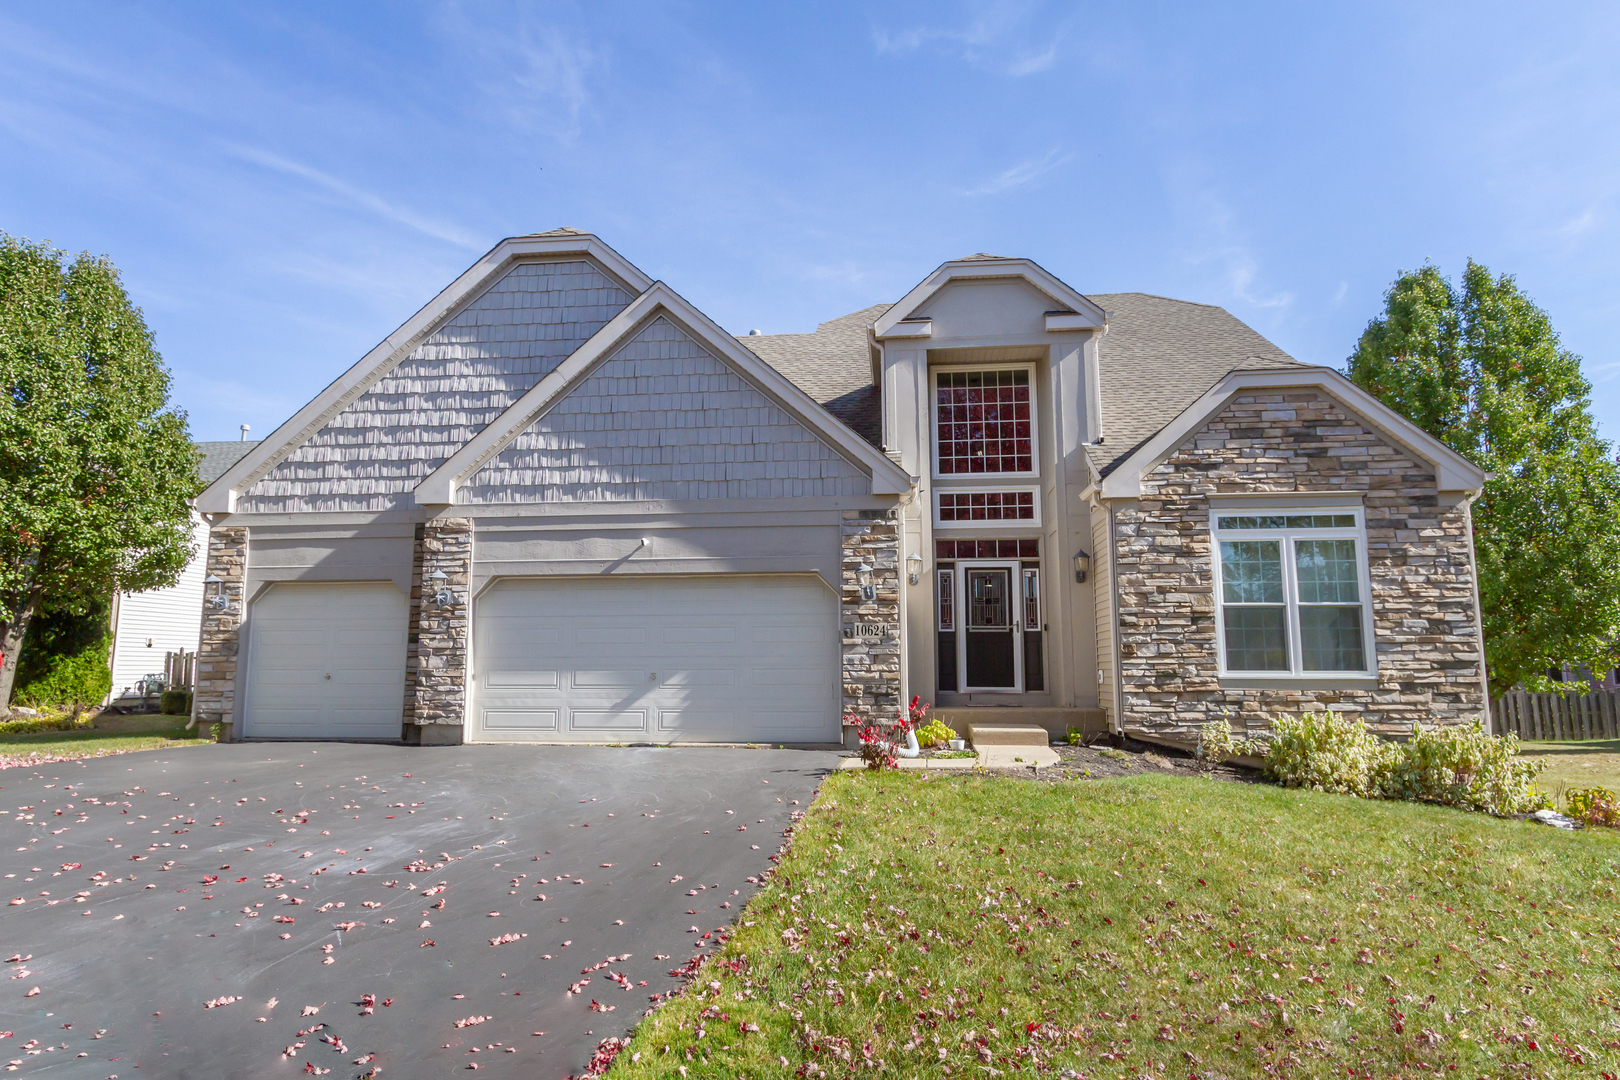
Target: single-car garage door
x,y
327,661
657,659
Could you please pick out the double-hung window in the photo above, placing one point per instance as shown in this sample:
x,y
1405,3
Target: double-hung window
x,y
1293,593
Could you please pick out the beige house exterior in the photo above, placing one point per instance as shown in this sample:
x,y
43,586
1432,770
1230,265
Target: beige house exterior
x,y
561,505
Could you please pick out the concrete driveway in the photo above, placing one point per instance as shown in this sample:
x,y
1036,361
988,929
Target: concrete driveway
x,y
226,910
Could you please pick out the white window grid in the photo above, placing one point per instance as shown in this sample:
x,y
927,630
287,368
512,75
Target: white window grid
x,y
1286,537
933,419
1032,491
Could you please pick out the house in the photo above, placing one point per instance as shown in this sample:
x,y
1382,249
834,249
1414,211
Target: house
x,y
148,625
560,504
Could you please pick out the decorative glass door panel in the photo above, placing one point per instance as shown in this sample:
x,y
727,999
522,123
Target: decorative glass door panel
x,y
991,659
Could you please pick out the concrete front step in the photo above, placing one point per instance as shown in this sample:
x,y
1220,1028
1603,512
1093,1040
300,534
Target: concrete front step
x,y
982,735
1056,721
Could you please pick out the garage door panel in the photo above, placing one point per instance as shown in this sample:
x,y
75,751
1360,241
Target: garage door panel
x,y
664,659
541,680
301,634
521,719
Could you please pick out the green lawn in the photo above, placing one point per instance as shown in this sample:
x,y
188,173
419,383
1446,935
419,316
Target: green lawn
x,y
1575,765
56,745
1156,927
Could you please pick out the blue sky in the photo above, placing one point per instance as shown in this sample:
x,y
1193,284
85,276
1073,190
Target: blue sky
x,y
282,185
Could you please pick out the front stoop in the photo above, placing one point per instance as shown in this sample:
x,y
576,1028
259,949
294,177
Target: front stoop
x,y
1012,746
1056,721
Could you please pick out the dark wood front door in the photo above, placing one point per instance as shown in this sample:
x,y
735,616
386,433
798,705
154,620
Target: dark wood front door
x,y
992,658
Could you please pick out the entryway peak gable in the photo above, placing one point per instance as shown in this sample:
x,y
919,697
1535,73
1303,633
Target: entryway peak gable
x,y
1071,310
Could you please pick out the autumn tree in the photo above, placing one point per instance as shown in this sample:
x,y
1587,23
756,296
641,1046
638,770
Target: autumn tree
x,y
96,466
1480,368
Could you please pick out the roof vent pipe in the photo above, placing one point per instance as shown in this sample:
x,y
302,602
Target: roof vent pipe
x,y
753,333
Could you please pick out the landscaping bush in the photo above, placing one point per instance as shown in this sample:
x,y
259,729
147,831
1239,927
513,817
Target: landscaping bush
x,y
934,733
1327,751
175,703
32,725
74,679
1594,806
1464,767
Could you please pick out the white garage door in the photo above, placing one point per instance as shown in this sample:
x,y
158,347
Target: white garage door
x,y
327,662
663,660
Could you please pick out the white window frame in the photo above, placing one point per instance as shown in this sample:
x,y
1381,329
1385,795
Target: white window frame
x,y
1286,538
1034,429
986,489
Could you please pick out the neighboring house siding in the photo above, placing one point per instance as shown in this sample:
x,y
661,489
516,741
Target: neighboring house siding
x,y
170,618
372,454
663,419
1102,589
1418,555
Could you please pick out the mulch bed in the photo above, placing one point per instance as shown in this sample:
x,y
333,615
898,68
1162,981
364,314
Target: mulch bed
x,y
1112,757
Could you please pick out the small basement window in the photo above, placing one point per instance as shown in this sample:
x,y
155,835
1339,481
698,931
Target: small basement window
x,y
1293,593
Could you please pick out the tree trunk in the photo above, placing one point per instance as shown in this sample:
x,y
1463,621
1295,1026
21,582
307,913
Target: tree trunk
x,y
11,643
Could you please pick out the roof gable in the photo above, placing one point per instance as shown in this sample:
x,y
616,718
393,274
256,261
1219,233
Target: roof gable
x,y
663,419
452,375
984,268
444,486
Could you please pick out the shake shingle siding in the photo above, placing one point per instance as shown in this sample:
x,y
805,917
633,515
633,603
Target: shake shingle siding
x,y
370,455
663,419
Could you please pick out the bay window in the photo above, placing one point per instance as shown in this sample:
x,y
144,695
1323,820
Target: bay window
x,y
1293,595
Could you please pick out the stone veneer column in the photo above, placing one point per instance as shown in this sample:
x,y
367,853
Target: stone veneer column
x,y
438,713
214,690
871,628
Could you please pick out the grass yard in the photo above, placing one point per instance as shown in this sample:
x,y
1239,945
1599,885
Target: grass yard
x,y
1156,927
1575,765
46,746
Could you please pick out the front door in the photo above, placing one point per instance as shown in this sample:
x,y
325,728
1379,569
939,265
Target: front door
x,y
991,658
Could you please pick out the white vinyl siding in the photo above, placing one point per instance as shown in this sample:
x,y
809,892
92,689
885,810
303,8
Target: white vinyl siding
x,y
170,619
650,659
327,661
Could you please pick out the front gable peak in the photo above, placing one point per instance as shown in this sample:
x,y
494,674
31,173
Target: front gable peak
x,y
1063,308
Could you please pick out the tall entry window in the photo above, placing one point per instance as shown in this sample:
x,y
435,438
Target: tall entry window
x,y
984,423
1293,593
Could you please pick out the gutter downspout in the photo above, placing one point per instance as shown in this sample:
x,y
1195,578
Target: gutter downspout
x,y
1479,613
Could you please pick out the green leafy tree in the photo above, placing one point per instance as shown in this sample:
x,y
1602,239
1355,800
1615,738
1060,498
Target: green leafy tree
x,y
1480,368
95,466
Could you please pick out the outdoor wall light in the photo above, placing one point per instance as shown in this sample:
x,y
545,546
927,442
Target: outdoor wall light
x,y
443,596
863,574
1082,563
913,567
219,601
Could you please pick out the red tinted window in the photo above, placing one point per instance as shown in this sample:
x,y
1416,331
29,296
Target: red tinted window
x,y
987,549
983,422
987,506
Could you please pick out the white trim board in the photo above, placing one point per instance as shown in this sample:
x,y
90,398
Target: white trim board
x,y
220,496
890,323
439,487
1453,472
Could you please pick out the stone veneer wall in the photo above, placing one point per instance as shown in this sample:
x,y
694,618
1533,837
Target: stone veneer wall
x,y
413,629
871,662
1419,557
214,689
439,709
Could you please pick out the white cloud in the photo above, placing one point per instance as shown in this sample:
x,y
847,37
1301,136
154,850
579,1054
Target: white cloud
x,y
355,196
1025,172
548,67
988,40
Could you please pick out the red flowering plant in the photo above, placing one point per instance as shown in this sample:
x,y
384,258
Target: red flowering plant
x,y
877,745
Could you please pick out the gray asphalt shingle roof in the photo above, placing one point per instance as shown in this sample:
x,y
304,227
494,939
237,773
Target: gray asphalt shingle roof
x,y
219,456
1158,357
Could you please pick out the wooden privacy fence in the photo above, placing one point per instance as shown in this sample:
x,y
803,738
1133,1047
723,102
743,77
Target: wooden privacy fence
x,y
178,669
1558,717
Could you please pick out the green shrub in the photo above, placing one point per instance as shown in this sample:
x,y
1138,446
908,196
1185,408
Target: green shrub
x,y
1464,767
1594,806
1074,736
1326,752
935,733
63,722
175,703
1216,744
75,679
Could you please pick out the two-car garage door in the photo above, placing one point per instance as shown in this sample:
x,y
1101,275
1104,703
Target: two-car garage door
x,y
656,659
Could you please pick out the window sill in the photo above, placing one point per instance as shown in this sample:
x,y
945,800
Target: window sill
x,y
1299,682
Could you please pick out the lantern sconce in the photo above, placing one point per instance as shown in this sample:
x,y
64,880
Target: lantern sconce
x,y
914,564
863,574
442,595
219,601
1082,564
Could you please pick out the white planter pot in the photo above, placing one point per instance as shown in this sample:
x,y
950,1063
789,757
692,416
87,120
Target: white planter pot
x,y
957,744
